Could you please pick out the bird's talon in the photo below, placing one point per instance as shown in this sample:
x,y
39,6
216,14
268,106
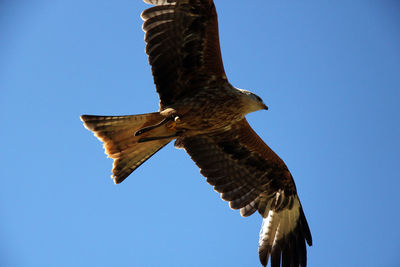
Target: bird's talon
x,y
171,125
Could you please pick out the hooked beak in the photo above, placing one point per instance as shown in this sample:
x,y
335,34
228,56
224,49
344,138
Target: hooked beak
x,y
265,107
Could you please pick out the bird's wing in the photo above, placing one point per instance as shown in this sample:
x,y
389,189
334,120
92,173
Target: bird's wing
x,y
183,47
252,178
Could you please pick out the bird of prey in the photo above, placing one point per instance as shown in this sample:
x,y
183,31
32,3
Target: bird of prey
x,y
205,114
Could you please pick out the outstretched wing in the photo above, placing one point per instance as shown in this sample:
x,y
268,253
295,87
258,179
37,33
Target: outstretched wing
x,y
252,178
183,46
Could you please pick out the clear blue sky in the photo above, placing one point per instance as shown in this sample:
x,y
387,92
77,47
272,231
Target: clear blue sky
x,y
328,70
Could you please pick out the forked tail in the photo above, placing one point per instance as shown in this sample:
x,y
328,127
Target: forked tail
x,y
128,150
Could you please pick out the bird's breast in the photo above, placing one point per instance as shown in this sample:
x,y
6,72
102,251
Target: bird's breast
x,y
209,110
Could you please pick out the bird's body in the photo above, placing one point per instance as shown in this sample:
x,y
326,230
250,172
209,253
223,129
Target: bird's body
x,y
206,115
197,116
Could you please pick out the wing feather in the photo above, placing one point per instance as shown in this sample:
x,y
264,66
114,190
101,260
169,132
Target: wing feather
x,y
183,46
252,178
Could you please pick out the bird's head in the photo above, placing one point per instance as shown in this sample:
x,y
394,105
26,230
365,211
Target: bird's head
x,y
252,101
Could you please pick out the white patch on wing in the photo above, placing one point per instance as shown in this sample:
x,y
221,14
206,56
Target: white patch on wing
x,y
277,224
268,229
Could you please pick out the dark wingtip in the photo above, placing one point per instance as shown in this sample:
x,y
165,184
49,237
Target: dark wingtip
x,y
291,250
306,229
263,254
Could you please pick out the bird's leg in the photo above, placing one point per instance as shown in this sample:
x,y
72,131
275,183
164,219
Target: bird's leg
x,y
146,139
172,123
172,120
151,127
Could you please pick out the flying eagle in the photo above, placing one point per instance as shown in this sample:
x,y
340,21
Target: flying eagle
x,y
206,115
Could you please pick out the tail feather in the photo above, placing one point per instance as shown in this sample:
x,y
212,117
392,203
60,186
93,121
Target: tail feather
x,y
120,142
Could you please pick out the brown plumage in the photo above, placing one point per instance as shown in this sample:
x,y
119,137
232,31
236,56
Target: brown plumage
x,y
206,115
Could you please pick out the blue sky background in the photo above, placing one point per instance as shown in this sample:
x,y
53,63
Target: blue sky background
x,y
328,70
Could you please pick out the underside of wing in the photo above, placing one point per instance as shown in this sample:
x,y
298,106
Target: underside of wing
x,y
183,46
252,178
